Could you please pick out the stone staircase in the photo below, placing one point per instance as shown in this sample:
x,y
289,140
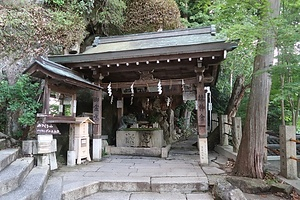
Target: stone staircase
x,y
19,178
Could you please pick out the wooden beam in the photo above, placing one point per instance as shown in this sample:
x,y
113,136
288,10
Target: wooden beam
x,y
151,83
148,59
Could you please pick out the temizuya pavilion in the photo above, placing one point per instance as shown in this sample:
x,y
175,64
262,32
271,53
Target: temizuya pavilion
x,y
170,59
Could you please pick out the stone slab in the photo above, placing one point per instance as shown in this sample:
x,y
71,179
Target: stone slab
x,y
53,189
203,151
157,196
179,184
43,160
212,179
12,176
293,182
29,147
44,137
125,184
212,170
97,149
136,151
7,156
71,158
2,143
109,196
33,185
105,173
262,197
52,161
132,138
46,146
78,189
199,196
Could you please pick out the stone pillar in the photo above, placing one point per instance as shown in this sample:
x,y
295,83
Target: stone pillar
x,y
223,129
202,124
97,127
214,121
288,167
73,105
236,133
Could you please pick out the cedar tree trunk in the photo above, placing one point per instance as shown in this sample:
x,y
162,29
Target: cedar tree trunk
x,y
250,158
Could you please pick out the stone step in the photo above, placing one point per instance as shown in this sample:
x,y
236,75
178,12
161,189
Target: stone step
x,y
148,196
32,187
2,144
12,176
75,189
179,184
53,189
7,156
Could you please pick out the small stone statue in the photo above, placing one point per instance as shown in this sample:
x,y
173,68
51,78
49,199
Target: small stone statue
x,y
126,121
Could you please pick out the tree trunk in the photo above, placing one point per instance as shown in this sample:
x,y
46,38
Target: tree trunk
x,y
282,101
237,95
250,158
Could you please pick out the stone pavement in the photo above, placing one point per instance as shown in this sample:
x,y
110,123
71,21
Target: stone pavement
x,y
133,174
143,178
135,177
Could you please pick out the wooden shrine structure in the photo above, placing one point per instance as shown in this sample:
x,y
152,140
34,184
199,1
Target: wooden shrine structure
x,y
158,63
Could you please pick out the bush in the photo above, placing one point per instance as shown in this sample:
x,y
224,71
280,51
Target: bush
x,y
20,99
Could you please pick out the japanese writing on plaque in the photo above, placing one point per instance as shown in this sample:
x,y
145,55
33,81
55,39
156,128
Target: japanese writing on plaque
x,y
96,109
42,128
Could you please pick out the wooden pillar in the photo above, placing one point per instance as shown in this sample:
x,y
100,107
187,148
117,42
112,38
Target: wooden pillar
x,y
120,107
97,127
223,129
236,133
202,123
288,166
46,106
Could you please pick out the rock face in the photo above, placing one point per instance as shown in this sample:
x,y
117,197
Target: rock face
x,y
223,190
249,185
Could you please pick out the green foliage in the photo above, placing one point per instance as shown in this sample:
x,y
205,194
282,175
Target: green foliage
x,y
181,121
286,73
31,29
109,15
56,2
77,6
151,15
20,98
194,13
